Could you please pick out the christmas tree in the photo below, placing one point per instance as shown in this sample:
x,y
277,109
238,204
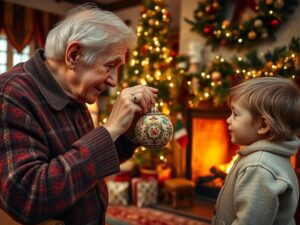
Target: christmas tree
x,y
150,61
150,64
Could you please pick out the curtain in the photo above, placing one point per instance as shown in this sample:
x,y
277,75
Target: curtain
x,y
21,24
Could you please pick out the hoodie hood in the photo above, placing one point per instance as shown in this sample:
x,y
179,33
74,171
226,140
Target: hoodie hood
x,y
286,148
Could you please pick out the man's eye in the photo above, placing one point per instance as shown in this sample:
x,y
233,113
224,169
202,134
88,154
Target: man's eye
x,y
110,66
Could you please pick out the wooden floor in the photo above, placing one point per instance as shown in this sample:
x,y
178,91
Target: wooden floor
x,y
202,210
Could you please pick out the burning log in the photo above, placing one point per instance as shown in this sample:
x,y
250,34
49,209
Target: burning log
x,y
218,173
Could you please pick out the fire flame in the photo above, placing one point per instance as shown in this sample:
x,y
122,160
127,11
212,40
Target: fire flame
x,y
227,166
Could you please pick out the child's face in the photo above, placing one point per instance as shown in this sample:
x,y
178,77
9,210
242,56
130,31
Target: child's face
x,y
243,129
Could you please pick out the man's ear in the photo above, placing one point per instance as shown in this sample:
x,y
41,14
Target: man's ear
x,y
264,126
73,53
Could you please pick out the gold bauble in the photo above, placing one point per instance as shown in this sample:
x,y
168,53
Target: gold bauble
x,y
279,4
216,76
215,5
252,35
269,2
225,24
258,23
200,14
151,22
268,65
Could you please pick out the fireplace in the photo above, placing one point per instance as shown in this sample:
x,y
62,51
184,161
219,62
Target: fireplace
x,y
209,148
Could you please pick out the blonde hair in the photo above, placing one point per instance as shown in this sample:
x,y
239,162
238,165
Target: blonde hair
x,y
97,31
275,98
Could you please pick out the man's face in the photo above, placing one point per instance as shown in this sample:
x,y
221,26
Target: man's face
x,y
87,82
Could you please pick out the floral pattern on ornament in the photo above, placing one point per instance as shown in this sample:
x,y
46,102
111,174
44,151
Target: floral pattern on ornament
x,y
154,130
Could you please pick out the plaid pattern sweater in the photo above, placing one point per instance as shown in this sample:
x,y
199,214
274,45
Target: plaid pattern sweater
x,y
52,160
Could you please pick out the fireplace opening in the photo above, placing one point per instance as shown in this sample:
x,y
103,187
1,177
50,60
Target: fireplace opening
x,y
209,152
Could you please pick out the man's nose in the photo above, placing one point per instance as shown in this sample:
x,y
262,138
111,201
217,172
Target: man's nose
x,y
113,79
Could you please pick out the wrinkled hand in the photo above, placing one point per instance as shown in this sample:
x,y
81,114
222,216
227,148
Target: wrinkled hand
x,y
131,102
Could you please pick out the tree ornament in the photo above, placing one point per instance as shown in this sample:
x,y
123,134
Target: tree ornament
x,y
215,5
143,10
225,24
154,129
258,23
224,42
269,2
275,23
144,49
252,35
264,35
207,29
279,4
200,14
216,76
208,9
151,22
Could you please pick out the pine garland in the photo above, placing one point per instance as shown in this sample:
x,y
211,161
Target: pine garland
x,y
214,82
267,16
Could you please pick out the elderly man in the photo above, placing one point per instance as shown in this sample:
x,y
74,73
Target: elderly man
x,y
52,160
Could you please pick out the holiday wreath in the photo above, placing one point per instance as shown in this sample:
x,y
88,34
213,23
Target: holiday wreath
x,y
251,20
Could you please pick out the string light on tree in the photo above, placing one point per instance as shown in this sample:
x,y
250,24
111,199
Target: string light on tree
x,y
151,60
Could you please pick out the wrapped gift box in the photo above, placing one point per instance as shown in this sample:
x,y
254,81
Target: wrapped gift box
x,y
118,192
144,191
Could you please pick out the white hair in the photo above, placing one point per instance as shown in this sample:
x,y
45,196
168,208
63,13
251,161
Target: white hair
x,y
96,30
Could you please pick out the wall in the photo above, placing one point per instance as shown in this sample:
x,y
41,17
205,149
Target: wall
x,y
289,29
45,5
132,14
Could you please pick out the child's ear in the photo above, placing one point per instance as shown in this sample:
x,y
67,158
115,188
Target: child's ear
x,y
264,126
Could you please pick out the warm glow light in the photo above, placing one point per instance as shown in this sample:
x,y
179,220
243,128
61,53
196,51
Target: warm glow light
x,y
210,145
227,166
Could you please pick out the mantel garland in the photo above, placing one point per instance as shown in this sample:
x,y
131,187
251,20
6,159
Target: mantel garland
x,y
213,83
267,16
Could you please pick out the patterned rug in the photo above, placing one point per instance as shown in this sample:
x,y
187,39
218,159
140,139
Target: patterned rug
x,y
130,215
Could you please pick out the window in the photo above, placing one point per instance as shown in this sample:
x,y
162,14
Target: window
x,y
3,53
21,57
9,55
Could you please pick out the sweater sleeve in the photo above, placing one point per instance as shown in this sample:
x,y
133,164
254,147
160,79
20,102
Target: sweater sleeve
x,y
34,184
256,196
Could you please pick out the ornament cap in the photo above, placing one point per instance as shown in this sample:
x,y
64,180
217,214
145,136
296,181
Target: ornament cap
x,y
154,109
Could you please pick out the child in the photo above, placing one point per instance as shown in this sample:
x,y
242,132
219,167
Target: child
x,y
262,187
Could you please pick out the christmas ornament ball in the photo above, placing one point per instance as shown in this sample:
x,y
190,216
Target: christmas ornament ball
x,y
154,129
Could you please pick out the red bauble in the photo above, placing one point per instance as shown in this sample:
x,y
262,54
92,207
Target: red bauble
x,y
143,9
224,42
275,23
144,49
207,29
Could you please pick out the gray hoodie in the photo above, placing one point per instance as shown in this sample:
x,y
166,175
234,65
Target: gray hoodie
x,y
261,188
